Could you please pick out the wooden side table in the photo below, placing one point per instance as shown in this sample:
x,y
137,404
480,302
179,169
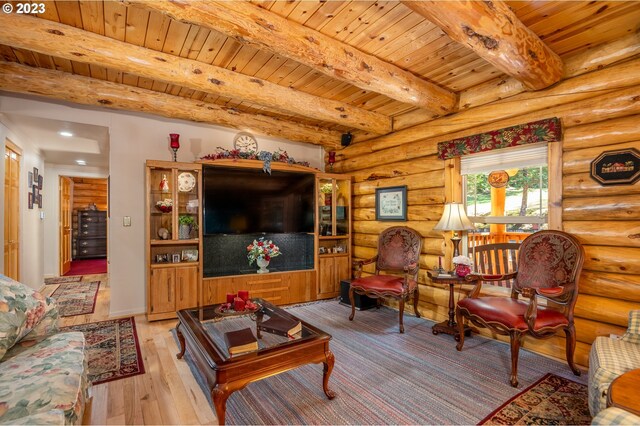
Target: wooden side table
x,y
623,392
449,326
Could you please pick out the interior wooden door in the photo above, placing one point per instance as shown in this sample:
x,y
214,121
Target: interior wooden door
x,y
66,200
11,211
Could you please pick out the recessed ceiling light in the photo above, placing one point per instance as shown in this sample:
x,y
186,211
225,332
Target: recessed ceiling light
x,y
81,162
65,134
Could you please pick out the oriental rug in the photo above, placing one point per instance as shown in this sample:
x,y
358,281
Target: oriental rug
x,y
552,400
113,349
62,280
76,298
383,377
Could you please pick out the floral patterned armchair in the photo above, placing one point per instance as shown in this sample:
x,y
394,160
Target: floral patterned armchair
x,y
398,253
549,266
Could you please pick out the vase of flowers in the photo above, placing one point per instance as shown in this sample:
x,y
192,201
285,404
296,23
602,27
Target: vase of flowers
x,y
165,206
262,251
462,265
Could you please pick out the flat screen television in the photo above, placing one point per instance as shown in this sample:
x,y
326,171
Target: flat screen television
x,y
246,201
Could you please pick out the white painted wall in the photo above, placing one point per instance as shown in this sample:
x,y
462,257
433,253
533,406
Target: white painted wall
x,y
31,226
134,138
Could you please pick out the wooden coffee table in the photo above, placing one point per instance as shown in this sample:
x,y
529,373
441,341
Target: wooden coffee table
x,y
202,331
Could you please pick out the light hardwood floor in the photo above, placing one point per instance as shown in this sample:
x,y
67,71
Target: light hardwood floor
x,y
165,394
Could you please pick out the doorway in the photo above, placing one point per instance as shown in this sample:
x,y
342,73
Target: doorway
x,y
83,225
12,156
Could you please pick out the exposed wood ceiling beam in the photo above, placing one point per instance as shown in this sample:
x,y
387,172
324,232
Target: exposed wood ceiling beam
x,y
71,43
265,30
87,91
494,32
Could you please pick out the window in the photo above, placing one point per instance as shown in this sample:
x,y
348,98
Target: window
x,y
511,212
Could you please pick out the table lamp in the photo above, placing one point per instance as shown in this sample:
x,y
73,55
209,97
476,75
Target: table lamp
x,y
454,219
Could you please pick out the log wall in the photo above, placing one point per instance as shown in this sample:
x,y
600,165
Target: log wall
x,y
89,190
598,113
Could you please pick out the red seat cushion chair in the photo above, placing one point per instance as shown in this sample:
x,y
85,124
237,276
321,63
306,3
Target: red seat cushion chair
x,y
398,256
543,296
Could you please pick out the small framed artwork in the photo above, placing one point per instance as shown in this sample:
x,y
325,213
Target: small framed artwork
x,y
35,175
391,203
39,201
618,167
322,250
190,255
175,258
30,201
30,174
40,181
162,258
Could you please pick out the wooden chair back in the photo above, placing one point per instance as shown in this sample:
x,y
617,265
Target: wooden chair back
x,y
496,259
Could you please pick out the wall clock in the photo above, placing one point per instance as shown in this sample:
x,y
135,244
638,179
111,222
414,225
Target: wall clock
x,y
245,142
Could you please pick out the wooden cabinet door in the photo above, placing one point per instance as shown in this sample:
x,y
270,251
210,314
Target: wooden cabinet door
x,y
186,287
162,287
343,270
327,275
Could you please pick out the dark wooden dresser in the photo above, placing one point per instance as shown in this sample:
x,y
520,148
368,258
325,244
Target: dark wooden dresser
x,y
92,234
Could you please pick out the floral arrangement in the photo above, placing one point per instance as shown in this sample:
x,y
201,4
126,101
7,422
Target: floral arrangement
x,y
280,156
326,188
165,206
461,260
262,249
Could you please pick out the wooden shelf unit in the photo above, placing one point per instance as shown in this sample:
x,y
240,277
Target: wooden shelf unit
x,y
171,285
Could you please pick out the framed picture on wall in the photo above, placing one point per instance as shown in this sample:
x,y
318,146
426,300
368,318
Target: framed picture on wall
x,y
39,201
35,175
30,180
40,181
391,203
30,201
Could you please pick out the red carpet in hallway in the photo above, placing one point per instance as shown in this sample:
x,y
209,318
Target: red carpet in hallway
x,y
87,267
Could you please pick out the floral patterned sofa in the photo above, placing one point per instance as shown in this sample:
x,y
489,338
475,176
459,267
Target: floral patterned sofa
x,y
43,373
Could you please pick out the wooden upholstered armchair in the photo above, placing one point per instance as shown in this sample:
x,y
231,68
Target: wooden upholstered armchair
x,y
549,266
398,253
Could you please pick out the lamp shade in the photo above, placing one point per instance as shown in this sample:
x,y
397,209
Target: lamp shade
x,y
454,218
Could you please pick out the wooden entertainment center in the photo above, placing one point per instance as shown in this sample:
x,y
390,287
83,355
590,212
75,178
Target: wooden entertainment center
x,y
175,268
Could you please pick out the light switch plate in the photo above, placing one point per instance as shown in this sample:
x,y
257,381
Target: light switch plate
x,y
126,221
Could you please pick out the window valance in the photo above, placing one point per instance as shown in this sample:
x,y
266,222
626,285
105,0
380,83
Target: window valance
x,y
547,130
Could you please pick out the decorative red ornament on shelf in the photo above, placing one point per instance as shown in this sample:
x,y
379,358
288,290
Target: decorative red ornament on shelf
x,y
174,144
332,159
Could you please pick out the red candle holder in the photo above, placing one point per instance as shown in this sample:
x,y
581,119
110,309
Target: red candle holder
x,y
332,159
230,297
174,144
243,294
238,304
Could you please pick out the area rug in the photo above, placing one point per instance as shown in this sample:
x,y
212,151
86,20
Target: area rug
x,y
76,298
552,400
384,377
113,348
62,280
88,267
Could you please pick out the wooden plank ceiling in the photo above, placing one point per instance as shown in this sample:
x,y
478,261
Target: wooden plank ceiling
x,y
387,30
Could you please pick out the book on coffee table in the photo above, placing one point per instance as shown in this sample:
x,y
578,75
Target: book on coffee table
x,y
281,326
240,341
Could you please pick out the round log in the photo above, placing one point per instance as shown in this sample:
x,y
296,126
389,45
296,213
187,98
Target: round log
x,y
429,245
426,196
605,233
433,213
582,185
604,208
601,309
579,160
623,260
587,330
425,228
611,285
602,133
404,168
419,181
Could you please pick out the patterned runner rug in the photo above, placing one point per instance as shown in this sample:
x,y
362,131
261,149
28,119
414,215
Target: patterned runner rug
x,y
76,298
384,377
62,280
551,400
114,351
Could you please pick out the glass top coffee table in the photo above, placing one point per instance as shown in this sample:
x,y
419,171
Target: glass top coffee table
x,y
202,331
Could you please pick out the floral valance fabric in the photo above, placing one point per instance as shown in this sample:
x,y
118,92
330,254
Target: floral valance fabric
x,y
547,130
